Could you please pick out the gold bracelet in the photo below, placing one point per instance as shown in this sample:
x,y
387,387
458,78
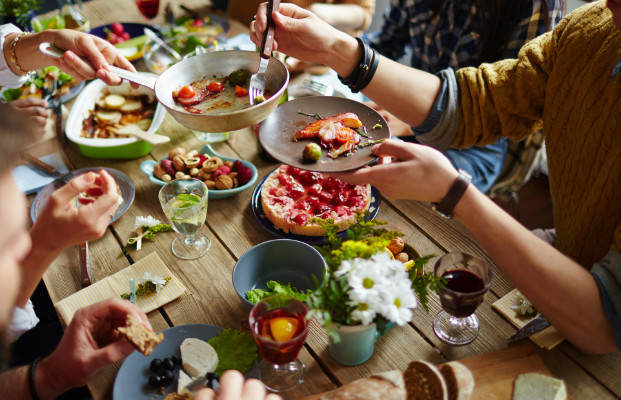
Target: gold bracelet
x,y
14,57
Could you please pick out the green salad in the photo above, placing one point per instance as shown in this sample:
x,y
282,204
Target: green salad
x,y
256,295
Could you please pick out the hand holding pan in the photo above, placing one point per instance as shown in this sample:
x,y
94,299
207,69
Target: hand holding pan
x,y
218,63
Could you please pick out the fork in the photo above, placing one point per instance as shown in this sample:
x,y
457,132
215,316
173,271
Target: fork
x,y
318,87
257,81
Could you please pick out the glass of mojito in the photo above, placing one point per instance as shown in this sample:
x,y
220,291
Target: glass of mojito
x,y
184,202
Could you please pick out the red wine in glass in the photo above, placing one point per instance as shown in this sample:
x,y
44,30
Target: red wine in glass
x,y
148,8
467,279
461,281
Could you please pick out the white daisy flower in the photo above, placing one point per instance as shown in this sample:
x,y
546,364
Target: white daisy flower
x,y
399,302
364,314
156,280
146,221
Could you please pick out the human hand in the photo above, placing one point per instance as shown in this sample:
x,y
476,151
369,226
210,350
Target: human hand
x,y
90,342
397,127
233,387
416,172
61,224
30,112
298,33
99,53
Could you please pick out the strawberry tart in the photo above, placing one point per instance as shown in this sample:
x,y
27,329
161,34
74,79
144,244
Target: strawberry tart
x,y
291,197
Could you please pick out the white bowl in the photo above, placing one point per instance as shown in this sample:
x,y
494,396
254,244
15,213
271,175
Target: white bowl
x,y
115,147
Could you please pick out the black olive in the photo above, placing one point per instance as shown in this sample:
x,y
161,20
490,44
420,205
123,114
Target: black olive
x,y
212,376
155,380
167,377
168,364
156,364
176,359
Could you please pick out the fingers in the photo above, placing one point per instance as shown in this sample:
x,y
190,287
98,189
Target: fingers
x,y
205,394
112,308
75,186
231,385
398,149
28,102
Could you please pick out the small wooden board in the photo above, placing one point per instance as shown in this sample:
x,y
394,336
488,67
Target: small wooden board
x,y
495,372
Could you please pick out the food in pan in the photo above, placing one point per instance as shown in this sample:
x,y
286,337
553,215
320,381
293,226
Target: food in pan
x,y
292,197
113,110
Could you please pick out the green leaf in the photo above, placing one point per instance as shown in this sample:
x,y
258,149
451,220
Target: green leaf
x,y
236,350
256,295
11,94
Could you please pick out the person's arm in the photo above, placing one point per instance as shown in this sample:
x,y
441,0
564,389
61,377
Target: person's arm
x,y
344,17
99,53
90,343
60,225
408,93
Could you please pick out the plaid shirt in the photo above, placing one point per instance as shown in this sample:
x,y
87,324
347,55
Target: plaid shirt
x,y
452,40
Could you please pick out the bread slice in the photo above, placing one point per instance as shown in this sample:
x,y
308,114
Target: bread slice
x,y
383,386
198,357
424,381
143,338
533,386
458,379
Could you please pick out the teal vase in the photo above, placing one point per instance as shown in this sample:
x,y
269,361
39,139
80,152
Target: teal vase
x,y
356,345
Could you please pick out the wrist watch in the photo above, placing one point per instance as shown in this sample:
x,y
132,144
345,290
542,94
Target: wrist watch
x,y
447,204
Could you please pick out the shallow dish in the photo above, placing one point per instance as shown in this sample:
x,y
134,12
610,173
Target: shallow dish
x,y
125,185
109,148
259,215
147,168
132,380
132,50
282,260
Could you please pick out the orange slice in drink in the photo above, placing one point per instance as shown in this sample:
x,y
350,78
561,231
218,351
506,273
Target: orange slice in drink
x,y
283,328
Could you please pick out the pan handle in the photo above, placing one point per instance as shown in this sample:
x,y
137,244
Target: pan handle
x,y
144,80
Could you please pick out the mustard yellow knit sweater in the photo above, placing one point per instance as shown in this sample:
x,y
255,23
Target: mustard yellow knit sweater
x,y
561,81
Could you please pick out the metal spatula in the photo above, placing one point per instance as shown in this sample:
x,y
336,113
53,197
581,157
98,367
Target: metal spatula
x,y
257,81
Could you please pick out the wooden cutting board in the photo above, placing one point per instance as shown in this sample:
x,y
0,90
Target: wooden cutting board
x,y
495,372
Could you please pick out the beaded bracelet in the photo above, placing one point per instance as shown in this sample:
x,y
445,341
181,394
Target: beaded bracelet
x,y
14,56
31,379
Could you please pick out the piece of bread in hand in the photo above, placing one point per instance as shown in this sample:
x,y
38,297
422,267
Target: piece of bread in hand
x,y
424,381
383,386
532,386
458,379
143,338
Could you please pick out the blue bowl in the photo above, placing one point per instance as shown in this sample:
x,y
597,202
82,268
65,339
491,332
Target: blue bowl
x,y
282,260
147,168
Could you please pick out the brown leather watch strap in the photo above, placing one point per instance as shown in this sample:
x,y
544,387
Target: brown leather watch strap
x,y
447,204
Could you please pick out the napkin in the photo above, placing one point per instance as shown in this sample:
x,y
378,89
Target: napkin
x,y
30,179
114,285
546,339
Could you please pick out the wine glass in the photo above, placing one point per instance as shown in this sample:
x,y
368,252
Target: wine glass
x,y
467,278
279,326
148,8
184,202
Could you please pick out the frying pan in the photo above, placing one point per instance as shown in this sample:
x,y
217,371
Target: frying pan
x,y
217,63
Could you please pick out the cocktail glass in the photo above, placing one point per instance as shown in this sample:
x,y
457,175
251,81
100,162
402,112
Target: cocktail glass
x,y
148,8
184,202
468,278
279,326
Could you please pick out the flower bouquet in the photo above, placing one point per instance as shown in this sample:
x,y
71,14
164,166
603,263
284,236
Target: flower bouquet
x,y
364,283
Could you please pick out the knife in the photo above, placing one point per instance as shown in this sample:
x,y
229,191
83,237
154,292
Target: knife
x,y
84,264
535,325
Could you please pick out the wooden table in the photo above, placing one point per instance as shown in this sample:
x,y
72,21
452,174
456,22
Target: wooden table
x,y
211,299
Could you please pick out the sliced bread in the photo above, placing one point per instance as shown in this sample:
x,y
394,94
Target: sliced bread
x,y
383,386
198,357
424,381
458,379
533,386
142,338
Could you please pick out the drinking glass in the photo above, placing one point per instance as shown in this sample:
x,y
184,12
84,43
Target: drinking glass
x,y
148,8
279,327
468,278
184,202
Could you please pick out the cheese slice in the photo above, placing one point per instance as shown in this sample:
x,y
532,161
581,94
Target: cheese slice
x,y
533,386
183,381
198,357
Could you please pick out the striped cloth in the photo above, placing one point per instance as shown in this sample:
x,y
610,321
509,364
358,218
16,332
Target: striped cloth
x,y
118,283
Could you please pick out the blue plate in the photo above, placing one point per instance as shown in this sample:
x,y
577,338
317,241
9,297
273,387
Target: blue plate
x,y
132,380
257,210
125,185
134,30
147,168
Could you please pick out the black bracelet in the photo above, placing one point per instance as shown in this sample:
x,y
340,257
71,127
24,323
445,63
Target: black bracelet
x,y
31,379
363,64
366,78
